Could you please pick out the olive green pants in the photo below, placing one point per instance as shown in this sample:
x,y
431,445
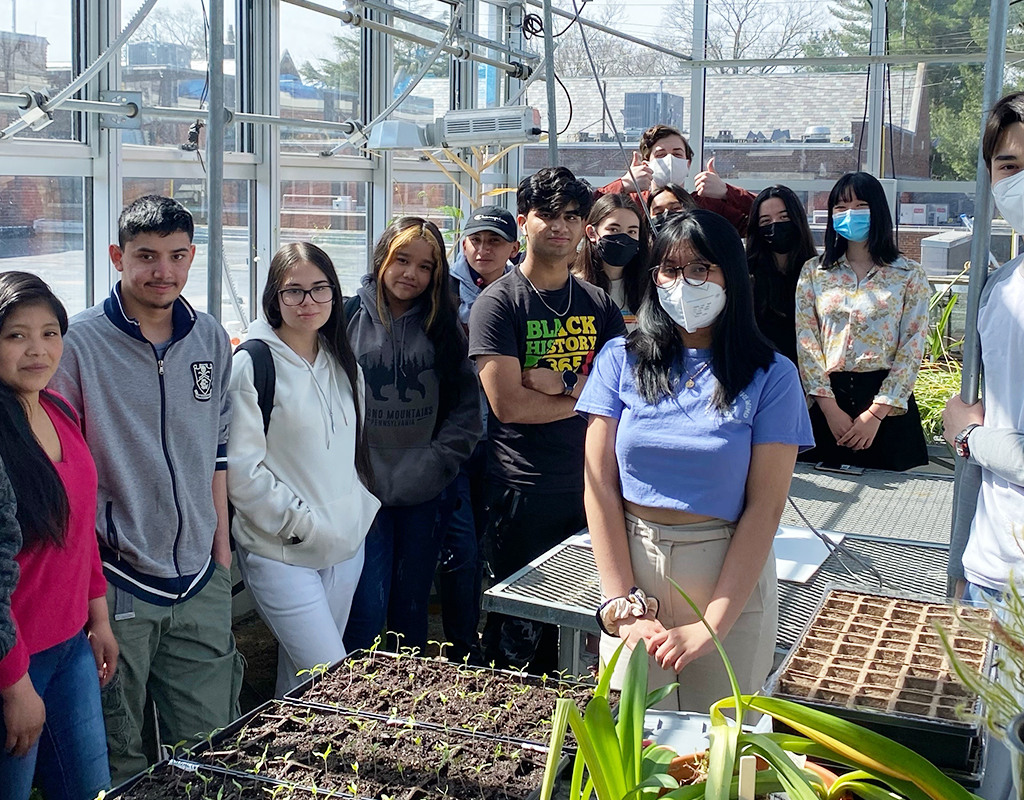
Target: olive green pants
x,y
183,656
693,555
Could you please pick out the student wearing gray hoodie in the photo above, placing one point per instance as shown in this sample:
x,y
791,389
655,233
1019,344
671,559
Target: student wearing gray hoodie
x,y
422,422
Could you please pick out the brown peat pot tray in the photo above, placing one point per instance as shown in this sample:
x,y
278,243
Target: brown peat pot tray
x,y
329,751
511,706
877,660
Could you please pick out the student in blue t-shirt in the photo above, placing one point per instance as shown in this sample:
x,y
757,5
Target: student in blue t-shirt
x,y
695,424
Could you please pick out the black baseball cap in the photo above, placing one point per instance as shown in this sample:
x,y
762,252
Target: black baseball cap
x,y
495,219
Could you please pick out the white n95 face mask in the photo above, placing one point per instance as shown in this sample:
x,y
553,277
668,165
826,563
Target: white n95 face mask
x,y
692,307
1009,197
669,169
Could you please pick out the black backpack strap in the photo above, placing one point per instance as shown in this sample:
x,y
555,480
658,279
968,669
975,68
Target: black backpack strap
x,y
264,376
351,307
65,406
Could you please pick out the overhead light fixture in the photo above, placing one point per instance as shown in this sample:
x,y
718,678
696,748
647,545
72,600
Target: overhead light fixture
x,y
477,127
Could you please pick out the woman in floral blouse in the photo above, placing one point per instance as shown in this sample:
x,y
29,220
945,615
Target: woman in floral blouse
x,y
861,323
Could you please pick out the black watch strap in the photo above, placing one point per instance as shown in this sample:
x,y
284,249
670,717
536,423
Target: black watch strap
x,y
960,442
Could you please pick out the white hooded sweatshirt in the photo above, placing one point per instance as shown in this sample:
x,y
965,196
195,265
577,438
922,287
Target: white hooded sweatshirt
x,y
295,490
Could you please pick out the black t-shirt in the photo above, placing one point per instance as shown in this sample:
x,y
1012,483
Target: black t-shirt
x,y
510,319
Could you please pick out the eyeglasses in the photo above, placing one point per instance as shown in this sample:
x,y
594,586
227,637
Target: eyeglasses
x,y
696,273
296,297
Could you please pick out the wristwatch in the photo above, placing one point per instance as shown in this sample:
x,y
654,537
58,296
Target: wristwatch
x,y
569,381
960,442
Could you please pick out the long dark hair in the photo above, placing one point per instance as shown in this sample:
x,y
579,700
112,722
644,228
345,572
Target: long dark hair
x,y
774,290
634,274
738,348
43,509
440,320
881,242
333,334
677,191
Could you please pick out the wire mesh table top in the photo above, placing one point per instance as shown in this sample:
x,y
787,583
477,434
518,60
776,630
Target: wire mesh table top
x,y
893,505
563,587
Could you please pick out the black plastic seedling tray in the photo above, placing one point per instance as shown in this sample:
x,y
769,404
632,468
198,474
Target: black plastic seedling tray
x,y
951,744
299,695
194,757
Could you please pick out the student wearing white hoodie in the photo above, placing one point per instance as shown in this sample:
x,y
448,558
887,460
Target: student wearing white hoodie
x,y
300,484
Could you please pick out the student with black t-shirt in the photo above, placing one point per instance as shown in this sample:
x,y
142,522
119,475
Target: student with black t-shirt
x,y
534,334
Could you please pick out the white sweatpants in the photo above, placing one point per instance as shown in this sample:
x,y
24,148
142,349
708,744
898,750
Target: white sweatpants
x,y
306,610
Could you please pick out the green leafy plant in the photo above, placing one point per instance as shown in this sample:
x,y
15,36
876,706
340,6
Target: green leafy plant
x,y
620,768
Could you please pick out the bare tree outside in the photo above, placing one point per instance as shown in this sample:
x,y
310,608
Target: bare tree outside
x,y
612,56
183,25
745,29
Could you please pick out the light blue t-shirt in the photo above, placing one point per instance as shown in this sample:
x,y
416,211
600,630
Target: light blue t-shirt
x,y
681,453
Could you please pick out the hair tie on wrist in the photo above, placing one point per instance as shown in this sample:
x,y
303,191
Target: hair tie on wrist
x,y
872,413
618,609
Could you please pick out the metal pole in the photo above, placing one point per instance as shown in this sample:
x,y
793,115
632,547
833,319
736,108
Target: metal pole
x,y
876,93
549,79
215,161
698,78
970,378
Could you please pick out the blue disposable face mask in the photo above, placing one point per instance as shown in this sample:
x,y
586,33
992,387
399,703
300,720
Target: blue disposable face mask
x,y
854,224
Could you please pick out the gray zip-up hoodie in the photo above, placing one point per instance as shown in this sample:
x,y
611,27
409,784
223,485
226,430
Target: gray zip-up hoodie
x,y
462,274
414,454
157,429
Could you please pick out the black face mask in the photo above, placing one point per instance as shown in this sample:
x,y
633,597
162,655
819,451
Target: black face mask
x,y
617,250
781,236
659,221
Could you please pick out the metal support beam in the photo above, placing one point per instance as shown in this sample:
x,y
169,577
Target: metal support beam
x,y
359,21
970,378
698,77
982,206
435,25
876,93
215,162
549,80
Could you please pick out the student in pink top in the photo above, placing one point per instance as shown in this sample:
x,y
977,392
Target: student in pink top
x,y
52,723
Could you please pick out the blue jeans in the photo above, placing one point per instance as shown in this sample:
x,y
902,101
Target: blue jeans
x,y
982,596
71,754
462,519
402,548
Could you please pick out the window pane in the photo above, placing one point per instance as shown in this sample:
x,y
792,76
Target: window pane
x,y
42,231
331,215
321,67
37,51
166,60
191,193
436,202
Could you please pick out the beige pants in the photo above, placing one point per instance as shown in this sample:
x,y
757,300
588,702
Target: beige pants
x,y
693,555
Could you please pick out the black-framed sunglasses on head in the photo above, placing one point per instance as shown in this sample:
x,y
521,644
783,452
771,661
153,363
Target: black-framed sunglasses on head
x,y
296,297
695,273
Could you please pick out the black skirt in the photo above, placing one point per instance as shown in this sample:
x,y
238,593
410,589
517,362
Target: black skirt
x,y
899,443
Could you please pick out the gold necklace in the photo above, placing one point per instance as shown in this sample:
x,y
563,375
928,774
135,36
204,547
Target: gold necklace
x,y
691,378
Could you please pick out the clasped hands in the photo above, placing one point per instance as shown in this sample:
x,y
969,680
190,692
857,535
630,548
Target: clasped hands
x,y
671,648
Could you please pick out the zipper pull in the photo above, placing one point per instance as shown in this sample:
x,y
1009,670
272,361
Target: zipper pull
x,y
160,366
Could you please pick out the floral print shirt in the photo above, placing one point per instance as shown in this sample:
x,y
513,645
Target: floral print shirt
x,y
847,325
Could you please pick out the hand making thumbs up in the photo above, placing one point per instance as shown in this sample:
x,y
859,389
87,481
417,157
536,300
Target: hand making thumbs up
x,y
708,184
638,176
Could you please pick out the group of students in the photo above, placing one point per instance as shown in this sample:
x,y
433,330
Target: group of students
x,y
650,382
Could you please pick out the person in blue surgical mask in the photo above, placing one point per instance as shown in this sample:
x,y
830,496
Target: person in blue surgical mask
x,y
861,326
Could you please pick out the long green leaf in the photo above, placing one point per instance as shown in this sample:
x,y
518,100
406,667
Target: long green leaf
x,y
606,788
798,786
605,682
765,782
632,704
869,750
577,777
656,696
559,723
600,727
736,693
660,781
863,790
656,759
721,759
